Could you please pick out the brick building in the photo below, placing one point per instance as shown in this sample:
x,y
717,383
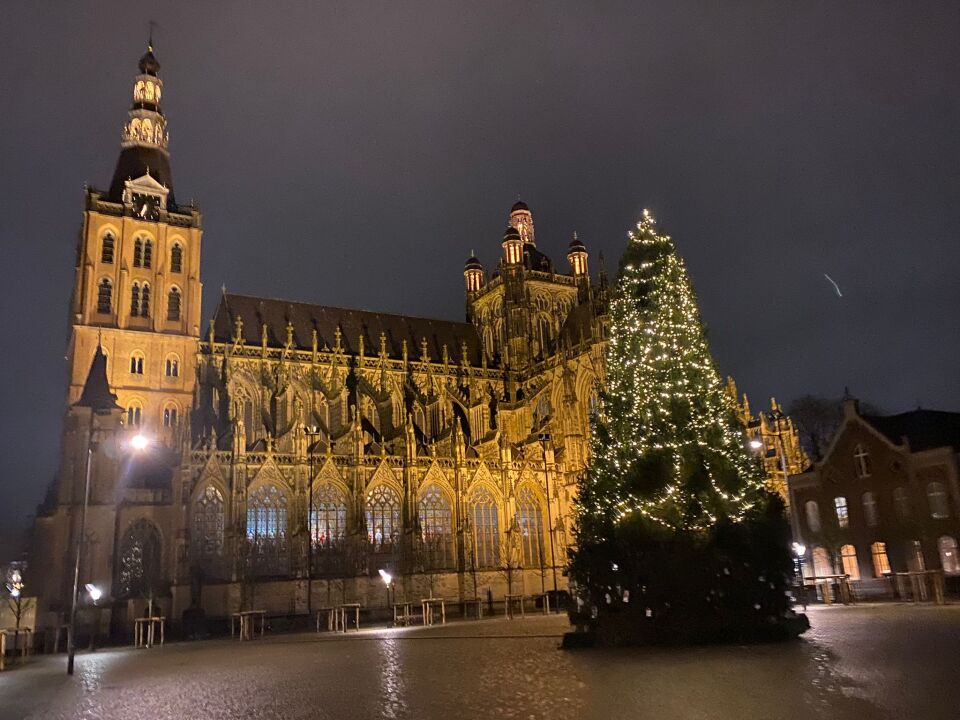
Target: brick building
x,y
884,499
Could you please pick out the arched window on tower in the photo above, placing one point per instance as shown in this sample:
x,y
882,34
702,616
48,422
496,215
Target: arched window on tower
x,y
104,297
134,413
173,304
107,248
172,366
136,363
135,300
147,253
436,524
486,530
530,522
138,252
139,572
383,518
145,300
176,258
170,416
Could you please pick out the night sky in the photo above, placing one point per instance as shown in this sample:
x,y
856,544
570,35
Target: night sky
x,y
354,153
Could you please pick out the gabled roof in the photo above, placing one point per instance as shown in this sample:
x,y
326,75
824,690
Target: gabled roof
x,y
923,429
96,392
305,318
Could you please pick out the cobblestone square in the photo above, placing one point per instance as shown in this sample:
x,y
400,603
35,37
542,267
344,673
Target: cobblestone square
x,y
861,662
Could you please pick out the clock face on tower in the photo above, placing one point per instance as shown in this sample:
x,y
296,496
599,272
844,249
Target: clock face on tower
x,y
146,206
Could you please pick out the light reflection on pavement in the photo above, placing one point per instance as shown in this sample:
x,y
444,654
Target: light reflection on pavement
x,y
861,663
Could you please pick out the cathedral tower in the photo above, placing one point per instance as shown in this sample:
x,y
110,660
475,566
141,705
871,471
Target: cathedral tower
x,y
137,286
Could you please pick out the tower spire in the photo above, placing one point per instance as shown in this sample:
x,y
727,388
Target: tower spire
x,y
144,141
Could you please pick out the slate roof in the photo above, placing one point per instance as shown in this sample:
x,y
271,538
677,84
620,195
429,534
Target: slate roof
x,y
924,429
96,392
579,325
134,162
305,318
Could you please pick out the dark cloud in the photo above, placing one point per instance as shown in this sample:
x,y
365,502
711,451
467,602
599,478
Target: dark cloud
x,y
354,153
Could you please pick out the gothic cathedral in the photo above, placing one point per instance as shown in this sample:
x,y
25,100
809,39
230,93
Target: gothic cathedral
x,y
294,450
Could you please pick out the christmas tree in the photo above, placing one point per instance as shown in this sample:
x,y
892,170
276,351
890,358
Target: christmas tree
x,y
674,528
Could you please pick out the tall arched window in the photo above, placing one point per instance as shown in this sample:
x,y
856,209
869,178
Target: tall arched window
x,y
172,366
138,252
328,517
937,498
107,246
383,517
134,412
530,522
170,416
848,555
266,514
145,300
871,514
822,565
915,559
135,299
881,563
147,253
901,503
419,418
812,512
136,363
207,534
486,529
139,572
843,514
173,304
949,560
436,523
104,297
176,258
370,417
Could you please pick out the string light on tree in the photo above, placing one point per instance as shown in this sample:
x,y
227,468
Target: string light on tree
x,y
667,445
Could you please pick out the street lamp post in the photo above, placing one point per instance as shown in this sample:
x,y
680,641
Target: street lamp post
x,y
544,438
71,632
138,443
387,580
312,433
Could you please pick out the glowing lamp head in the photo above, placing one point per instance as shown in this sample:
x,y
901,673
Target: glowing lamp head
x,y
756,444
139,442
94,592
14,592
386,577
799,549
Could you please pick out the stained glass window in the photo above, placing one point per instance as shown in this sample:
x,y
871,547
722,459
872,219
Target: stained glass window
x,y
486,528
436,524
530,522
383,517
328,518
208,523
266,513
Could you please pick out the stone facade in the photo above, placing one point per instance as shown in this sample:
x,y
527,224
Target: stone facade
x,y
296,450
